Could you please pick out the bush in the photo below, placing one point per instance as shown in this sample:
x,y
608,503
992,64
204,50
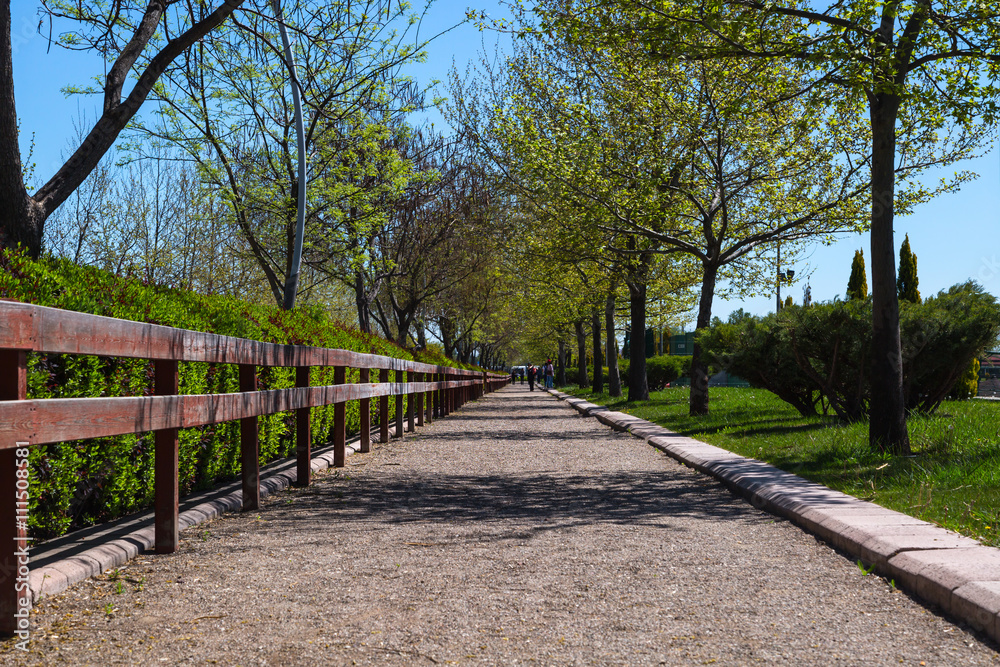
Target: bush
x,y
824,349
660,371
968,384
758,350
78,483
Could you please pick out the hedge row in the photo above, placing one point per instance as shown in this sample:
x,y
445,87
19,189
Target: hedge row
x,y
74,484
818,358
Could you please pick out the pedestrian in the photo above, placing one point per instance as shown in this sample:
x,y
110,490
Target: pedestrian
x,y
532,374
550,374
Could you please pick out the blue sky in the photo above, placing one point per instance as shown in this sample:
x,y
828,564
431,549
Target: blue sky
x,y
954,236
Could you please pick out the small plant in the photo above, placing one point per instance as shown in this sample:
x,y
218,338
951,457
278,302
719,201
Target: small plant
x,y
205,535
120,587
109,610
115,574
865,571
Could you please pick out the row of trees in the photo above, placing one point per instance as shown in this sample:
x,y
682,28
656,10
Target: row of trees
x,y
681,139
643,151
402,225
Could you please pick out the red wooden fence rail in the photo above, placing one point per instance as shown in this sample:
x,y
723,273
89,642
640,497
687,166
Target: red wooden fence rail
x,y
25,423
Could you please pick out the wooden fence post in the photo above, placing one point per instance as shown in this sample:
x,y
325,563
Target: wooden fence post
x,y
249,445
14,604
400,377
165,465
409,403
303,434
420,401
365,414
436,398
339,422
383,408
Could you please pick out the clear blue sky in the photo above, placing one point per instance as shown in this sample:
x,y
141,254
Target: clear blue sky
x,y
955,237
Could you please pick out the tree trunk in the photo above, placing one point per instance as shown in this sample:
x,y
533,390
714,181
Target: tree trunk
x,y
698,404
421,335
611,345
361,302
887,415
21,217
561,376
447,335
595,326
582,379
638,389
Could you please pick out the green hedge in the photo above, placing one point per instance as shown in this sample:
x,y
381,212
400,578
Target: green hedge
x,y
660,371
74,484
818,357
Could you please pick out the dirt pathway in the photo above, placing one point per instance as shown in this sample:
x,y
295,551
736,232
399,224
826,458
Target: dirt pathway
x,y
512,532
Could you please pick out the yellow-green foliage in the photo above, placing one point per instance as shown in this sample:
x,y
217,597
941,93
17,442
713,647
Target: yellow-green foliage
x,y
967,385
87,481
906,283
857,284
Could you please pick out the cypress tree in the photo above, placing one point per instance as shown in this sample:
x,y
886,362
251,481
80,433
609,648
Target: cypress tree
x,y
857,286
906,283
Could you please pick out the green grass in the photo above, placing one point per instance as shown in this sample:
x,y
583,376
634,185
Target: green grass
x,y
952,479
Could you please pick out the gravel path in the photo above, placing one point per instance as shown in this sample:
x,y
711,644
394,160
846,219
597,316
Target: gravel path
x,y
512,532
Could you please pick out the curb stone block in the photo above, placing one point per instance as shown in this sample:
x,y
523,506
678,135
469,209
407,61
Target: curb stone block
x,y
979,603
886,541
953,571
936,573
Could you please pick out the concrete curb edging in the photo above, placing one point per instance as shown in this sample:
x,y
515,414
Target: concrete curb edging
x,y
954,572
56,577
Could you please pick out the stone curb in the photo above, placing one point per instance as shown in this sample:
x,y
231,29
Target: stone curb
x,y
54,578
952,571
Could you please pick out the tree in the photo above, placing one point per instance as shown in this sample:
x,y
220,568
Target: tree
x,y
922,74
140,43
226,106
906,284
711,161
857,284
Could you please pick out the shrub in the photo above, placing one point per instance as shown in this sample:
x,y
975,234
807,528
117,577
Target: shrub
x,y
968,384
825,348
757,350
663,370
87,481
660,370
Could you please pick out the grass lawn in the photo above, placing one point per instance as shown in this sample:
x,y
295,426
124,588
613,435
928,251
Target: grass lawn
x,y
952,479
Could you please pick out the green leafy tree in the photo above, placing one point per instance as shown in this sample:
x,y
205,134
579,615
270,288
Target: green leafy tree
x,y
922,75
906,284
857,284
708,162
228,108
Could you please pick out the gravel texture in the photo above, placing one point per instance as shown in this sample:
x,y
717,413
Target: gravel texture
x,y
511,532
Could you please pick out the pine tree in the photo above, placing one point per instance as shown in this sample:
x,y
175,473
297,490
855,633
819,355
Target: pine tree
x,y
857,286
906,284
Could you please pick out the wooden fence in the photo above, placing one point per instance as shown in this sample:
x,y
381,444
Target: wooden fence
x,y
435,391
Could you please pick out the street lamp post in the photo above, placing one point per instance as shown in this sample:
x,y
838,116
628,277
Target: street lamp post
x,y
788,274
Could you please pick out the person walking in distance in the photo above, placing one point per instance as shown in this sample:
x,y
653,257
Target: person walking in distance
x,y
550,373
532,373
